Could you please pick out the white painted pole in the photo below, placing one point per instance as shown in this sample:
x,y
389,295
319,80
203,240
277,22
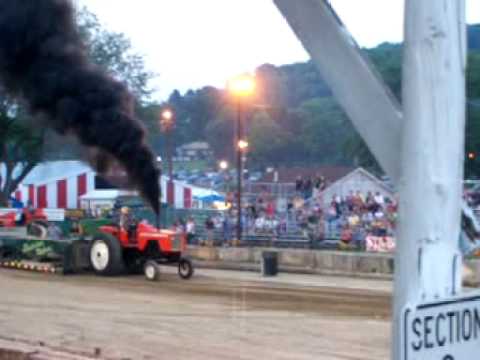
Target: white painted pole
x,y
356,85
427,264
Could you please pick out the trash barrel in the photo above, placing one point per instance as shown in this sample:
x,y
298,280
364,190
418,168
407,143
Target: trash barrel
x,y
269,263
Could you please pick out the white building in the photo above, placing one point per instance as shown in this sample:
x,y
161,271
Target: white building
x,y
73,184
198,150
358,180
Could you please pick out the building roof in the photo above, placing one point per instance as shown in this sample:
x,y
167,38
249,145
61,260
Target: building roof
x,y
197,145
107,194
101,195
51,171
289,175
366,174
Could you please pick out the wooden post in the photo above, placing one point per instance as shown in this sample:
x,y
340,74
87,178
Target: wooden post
x,y
427,263
431,140
239,155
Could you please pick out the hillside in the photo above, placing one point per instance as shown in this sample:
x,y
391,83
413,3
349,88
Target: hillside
x,y
293,118
474,37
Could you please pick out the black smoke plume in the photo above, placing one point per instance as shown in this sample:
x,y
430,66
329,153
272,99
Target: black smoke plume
x,y
43,61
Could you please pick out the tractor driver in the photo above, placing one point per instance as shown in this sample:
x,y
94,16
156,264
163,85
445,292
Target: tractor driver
x,y
127,222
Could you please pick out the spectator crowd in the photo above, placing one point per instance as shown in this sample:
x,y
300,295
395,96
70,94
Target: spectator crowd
x,y
349,219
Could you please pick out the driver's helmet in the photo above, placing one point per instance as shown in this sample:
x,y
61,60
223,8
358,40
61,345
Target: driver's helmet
x,y
125,210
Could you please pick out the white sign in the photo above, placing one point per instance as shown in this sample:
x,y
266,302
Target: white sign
x,y
56,215
445,330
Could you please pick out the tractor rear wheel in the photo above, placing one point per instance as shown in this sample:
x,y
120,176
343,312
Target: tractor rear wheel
x,y
106,255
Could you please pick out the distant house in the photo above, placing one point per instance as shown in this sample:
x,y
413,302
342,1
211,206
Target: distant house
x,y
198,150
357,180
280,182
339,181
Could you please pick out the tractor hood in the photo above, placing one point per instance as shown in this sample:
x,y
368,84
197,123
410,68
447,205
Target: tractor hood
x,y
153,231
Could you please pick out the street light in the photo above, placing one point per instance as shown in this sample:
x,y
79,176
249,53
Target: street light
x,y
167,123
223,165
167,115
241,87
242,145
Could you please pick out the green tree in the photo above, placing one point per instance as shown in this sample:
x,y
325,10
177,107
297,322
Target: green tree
x,y
21,147
325,130
300,104
268,141
220,132
472,134
387,59
113,51
194,111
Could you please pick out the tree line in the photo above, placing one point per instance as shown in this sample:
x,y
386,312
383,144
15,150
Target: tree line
x,y
291,119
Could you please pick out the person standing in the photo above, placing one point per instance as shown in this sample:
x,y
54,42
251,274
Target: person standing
x,y
378,198
307,188
209,227
190,230
299,185
227,228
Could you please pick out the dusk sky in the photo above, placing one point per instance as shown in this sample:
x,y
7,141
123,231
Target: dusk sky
x,y
192,43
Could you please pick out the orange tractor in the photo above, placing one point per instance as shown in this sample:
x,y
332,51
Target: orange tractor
x,y
115,250
8,220
35,220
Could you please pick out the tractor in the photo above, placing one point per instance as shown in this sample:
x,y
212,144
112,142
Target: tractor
x,y
8,220
35,220
114,251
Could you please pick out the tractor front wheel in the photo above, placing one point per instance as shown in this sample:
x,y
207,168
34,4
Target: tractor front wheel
x,y
106,255
151,270
185,268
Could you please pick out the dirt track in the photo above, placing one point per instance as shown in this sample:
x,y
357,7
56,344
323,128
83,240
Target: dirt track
x,y
216,315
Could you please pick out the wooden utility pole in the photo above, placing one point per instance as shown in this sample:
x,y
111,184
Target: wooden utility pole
x,y
421,148
428,262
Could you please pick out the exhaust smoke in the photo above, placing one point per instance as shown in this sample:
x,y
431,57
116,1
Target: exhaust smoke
x,y
44,62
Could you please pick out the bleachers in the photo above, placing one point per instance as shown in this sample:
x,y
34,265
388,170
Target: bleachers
x,y
293,238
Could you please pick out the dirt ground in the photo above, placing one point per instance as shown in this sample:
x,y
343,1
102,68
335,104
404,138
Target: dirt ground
x,y
216,315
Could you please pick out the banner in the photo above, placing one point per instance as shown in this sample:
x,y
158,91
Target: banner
x,y
383,244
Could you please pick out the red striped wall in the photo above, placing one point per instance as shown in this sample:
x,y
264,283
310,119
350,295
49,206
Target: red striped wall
x,y
187,198
62,194
81,187
170,193
42,197
31,194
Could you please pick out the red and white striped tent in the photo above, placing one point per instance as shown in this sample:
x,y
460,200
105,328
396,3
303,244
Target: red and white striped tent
x,y
56,184
61,184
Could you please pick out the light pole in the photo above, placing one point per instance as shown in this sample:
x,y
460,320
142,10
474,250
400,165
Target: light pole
x,y
167,124
241,87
